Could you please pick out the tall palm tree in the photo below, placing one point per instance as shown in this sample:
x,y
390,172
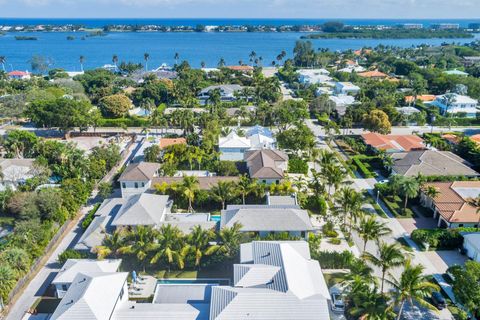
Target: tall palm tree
x,y
202,64
82,61
389,256
334,176
146,57
110,245
229,241
476,203
198,242
3,60
245,186
409,189
221,63
252,56
189,186
176,57
169,246
115,61
139,242
223,191
371,229
412,286
368,304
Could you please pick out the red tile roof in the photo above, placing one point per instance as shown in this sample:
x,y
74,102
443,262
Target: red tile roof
x,y
18,73
240,68
406,142
166,142
422,97
372,74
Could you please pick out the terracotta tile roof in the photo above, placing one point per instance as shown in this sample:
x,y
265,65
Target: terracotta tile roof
x,y
393,142
451,138
205,183
240,68
372,74
422,97
166,142
18,73
360,51
476,138
452,202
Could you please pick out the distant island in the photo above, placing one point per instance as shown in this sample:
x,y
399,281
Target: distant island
x,y
396,33
25,38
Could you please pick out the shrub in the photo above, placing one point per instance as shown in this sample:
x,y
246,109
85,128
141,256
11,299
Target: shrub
x,y
336,260
227,168
89,217
335,241
366,173
316,203
131,121
440,239
297,165
70,254
328,230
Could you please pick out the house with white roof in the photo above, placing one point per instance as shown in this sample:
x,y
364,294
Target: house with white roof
x,y
227,92
15,172
456,72
232,147
471,244
263,220
455,103
72,267
93,296
346,88
137,178
275,280
342,102
314,76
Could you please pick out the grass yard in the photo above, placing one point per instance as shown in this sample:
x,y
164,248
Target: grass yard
x,y
333,278
396,204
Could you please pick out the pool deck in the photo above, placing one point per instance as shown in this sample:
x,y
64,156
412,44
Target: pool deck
x,y
143,289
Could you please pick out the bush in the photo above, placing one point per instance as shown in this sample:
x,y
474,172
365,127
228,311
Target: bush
x,y
336,260
89,217
70,254
227,168
328,230
317,204
335,241
440,239
131,121
366,173
297,165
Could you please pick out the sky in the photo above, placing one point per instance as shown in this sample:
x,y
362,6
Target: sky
x,y
363,9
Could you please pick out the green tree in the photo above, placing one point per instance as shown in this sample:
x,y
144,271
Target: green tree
x,y
377,121
371,229
189,187
116,105
152,153
139,242
245,186
409,188
21,143
17,258
110,245
229,242
9,280
466,285
413,286
198,242
105,189
170,246
389,256
223,191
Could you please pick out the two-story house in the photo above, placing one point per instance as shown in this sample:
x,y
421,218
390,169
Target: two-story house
x,y
137,178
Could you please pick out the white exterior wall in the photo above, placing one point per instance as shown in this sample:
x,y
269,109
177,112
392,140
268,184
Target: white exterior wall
x,y
468,108
61,289
129,189
291,233
232,154
472,252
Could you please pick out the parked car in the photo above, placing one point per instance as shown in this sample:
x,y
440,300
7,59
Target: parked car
x,y
438,300
383,181
337,303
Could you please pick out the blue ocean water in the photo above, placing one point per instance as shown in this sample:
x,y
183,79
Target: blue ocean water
x,y
193,47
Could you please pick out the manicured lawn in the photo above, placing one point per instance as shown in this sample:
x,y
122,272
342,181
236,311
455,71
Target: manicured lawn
x,y
333,278
404,244
396,204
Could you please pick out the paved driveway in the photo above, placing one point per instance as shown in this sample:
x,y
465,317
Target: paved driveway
x,y
410,224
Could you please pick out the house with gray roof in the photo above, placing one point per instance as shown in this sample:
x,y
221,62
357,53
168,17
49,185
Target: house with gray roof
x,y
266,165
137,178
15,172
268,219
430,163
72,267
275,280
227,92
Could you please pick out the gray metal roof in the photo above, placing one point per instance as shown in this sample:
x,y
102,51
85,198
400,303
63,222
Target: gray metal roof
x,y
163,311
142,171
72,267
142,209
267,218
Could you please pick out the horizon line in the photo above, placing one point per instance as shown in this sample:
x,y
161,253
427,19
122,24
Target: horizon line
x,y
233,18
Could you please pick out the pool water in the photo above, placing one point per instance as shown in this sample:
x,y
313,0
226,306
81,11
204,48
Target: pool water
x,y
215,218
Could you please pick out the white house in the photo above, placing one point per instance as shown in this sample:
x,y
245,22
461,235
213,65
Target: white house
x,y
455,103
346,88
227,92
19,75
232,147
137,178
15,172
471,244
314,76
72,267
342,102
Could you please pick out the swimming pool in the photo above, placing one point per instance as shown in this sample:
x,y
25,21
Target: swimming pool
x,y
215,218
194,281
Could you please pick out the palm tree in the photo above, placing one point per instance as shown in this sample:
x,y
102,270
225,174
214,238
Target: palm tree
x,y
115,61
368,304
409,189
334,175
371,229
229,241
412,286
3,60
139,242
476,203
221,63
146,57
202,64
170,246
198,242
223,192
189,186
252,56
245,186
389,256
110,245
82,61
176,57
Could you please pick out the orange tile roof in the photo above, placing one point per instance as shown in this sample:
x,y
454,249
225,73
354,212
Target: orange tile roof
x,y
422,97
406,142
372,74
475,138
451,138
451,205
360,51
166,142
240,68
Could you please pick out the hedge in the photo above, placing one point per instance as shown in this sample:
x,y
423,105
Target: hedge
x,y
439,239
366,173
132,121
89,217
336,260
297,165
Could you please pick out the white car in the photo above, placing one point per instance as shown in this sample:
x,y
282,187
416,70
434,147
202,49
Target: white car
x,y
337,303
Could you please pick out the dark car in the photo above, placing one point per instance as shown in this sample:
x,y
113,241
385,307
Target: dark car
x,y
439,301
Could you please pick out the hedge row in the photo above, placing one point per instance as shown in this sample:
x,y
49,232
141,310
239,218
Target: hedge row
x,y
89,217
366,173
124,122
439,239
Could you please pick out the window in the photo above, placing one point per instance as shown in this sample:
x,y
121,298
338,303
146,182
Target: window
x,y
136,185
64,287
143,184
121,294
123,185
460,225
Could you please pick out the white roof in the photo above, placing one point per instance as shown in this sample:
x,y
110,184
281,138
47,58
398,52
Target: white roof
x,y
162,311
91,296
313,72
233,140
342,100
141,209
259,141
348,85
459,99
72,267
473,239
456,72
